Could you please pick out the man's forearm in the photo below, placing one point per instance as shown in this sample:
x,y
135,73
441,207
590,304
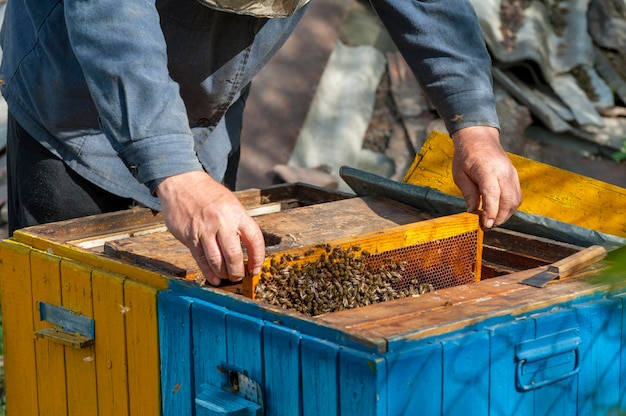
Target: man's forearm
x,y
442,43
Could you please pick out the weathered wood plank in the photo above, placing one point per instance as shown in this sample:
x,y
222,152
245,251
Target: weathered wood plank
x,y
80,364
20,370
142,346
460,307
465,364
548,191
362,383
136,219
50,357
281,353
319,364
297,227
177,377
110,343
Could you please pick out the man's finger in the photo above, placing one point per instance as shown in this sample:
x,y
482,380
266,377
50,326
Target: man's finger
x,y
214,257
199,256
490,192
232,253
252,237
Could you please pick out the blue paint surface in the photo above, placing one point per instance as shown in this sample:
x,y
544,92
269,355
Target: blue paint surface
x,y
472,371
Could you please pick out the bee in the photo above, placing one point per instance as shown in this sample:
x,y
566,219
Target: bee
x,y
309,252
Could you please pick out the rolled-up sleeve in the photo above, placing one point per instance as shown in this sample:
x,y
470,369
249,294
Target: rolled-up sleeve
x,y
123,55
442,43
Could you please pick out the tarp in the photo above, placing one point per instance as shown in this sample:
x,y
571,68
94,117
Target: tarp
x,y
545,52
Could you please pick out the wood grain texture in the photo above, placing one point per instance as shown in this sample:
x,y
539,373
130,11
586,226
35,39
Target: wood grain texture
x,y
557,398
319,359
465,364
548,191
142,346
110,342
296,227
80,364
459,307
416,380
281,354
51,377
362,383
244,344
20,369
101,261
600,352
209,339
502,367
177,379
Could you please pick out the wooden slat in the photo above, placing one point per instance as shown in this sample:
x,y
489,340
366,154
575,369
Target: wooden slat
x,y
465,368
110,343
362,383
622,362
504,338
415,380
132,219
460,307
51,378
281,354
98,260
245,330
310,225
319,360
340,219
514,261
515,243
548,191
20,370
557,398
600,352
176,363
84,227
142,346
80,364
209,334
160,252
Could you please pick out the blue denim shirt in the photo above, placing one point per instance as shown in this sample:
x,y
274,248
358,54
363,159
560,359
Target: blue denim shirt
x,y
126,92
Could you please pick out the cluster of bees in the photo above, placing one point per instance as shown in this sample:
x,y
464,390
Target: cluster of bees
x,y
339,279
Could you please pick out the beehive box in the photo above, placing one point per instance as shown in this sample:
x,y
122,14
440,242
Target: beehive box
x,y
162,343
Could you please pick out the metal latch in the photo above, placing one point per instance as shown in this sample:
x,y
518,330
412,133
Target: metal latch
x,y
73,329
238,395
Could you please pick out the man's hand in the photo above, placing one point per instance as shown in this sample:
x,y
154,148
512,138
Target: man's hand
x,y
212,223
485,175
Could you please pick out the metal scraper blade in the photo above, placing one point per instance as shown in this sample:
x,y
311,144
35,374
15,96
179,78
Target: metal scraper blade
x,y
567,266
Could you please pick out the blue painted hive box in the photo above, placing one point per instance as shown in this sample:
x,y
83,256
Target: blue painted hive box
x,y
165,344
